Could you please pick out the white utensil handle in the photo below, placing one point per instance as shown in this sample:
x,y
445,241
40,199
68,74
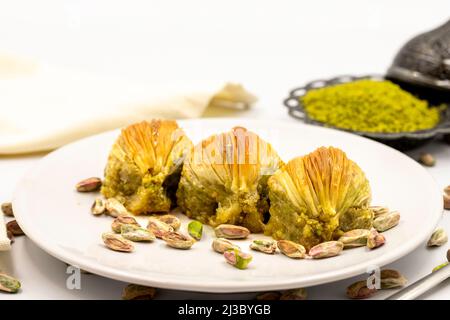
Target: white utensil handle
x,y
423,285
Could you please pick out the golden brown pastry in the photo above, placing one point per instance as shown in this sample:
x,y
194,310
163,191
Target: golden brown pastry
x,y
224,179
144,166
316,197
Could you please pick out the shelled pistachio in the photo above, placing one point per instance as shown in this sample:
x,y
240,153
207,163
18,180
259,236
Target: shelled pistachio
x,y
117,243
136,233
8,283
291,249
326,249
89,185
195,229
237,258
138,292
171,220
386,221
392,279
7,209
438,238
221,245
354,238
229,231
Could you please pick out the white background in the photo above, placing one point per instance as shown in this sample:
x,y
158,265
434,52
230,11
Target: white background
x,y
270,46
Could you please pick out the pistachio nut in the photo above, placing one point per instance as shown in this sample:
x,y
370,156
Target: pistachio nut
x,y
354,238
7,209
265,246
158,228
89,185
221,245
269,296
427,160
177,240
195,229
171,220
8,283
117,243
237,258
138,292
379,210
10,236
326,249
438,238
391,279
121,220
386,221
115,208
14,228
294,294
230,231
98,207
359,290
440,266
136,233
291,249
447,201
375,239
447,190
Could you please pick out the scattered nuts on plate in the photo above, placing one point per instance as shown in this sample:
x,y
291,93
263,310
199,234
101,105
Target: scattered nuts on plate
x,y
326,249
89,185
171,220
221,245
120,221
427,160
438,238
195,229
294,294
265,246
14,228
7,209
354,238
177,240
238,258
392,279
291,249
359,290
375,239
386,221
8,283
136,233
230,231
138,292
158,228
98,207
117,243
115,208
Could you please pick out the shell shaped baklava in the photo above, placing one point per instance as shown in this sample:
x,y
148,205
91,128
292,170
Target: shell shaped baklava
x,y
224,179
144,166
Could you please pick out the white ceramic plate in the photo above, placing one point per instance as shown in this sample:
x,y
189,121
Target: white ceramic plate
x,y
58,219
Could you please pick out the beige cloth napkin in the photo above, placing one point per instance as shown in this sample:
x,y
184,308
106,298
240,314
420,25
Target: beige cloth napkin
x,y
43,106
5,243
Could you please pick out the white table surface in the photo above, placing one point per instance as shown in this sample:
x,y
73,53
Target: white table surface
x,y
269,46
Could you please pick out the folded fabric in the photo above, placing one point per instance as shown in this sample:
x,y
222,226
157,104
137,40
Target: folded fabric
x,y
5,243
44,106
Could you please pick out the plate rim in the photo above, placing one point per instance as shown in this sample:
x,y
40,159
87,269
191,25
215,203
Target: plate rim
x,y
231,286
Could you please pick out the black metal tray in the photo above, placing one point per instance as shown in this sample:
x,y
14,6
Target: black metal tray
x,y
400,140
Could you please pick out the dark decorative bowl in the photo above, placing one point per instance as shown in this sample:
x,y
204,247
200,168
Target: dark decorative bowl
x,y
400,140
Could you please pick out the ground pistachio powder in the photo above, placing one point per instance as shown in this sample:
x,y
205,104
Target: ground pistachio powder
x,y
370,106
